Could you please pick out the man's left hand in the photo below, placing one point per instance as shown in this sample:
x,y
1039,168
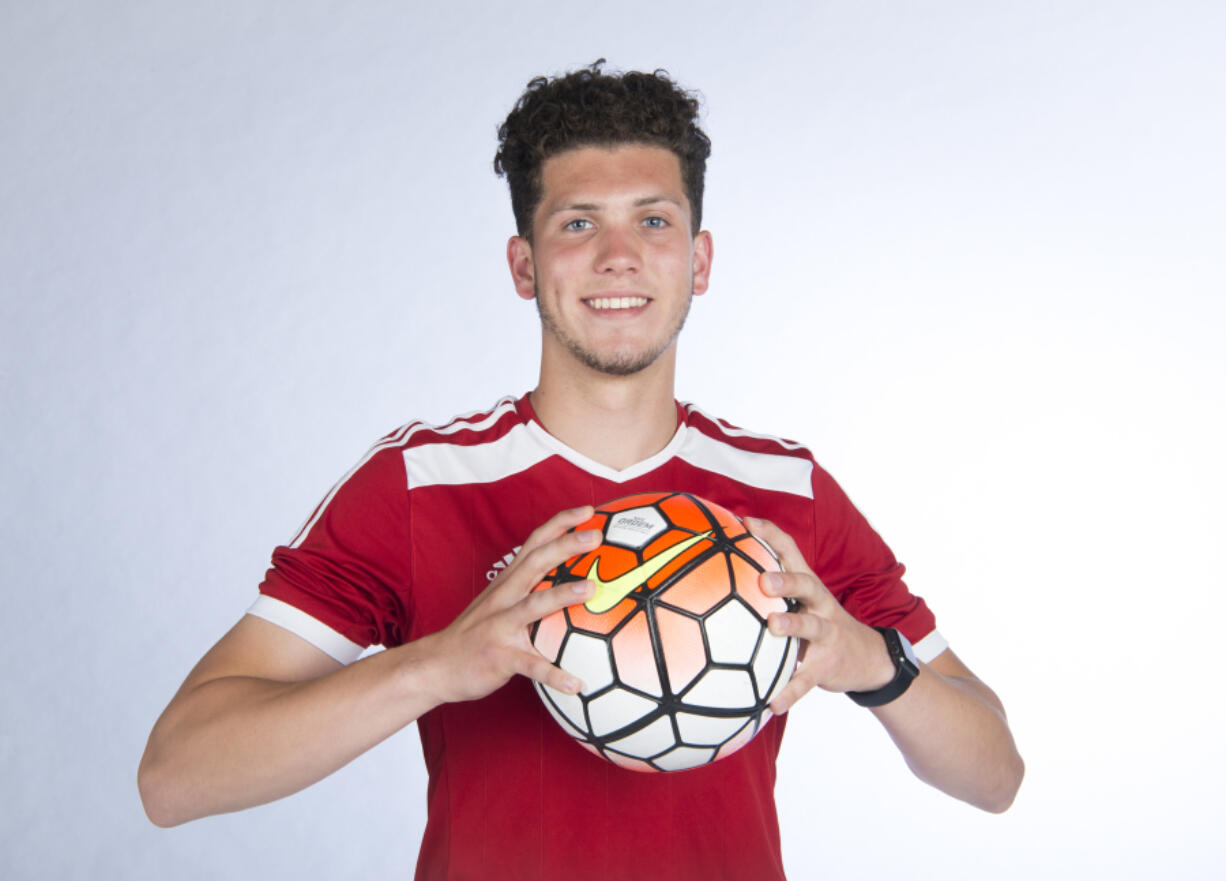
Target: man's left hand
x,y
839,653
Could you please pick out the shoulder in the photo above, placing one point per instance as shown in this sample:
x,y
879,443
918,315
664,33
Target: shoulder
x,y
379,479
468,429
723,431
762,460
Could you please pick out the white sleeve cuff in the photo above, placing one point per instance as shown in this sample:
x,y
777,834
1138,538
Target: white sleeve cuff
x,y
311,629
930,646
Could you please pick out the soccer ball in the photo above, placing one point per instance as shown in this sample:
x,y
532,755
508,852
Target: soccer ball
x,y
676,661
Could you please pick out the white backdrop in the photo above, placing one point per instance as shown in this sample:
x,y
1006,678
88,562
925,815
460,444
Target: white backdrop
x,y
969,252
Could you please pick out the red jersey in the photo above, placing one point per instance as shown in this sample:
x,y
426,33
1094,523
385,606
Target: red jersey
x,y
431,515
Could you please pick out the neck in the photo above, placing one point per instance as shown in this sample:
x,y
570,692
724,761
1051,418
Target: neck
x,y
614,420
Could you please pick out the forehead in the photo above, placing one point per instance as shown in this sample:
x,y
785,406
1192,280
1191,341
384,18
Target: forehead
x,y
606,175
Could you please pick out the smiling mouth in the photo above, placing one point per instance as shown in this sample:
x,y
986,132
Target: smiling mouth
x,y
617,302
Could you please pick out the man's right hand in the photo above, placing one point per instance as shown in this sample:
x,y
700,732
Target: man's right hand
x,y
488,643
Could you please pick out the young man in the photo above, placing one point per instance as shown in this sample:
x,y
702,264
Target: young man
x,y
606,182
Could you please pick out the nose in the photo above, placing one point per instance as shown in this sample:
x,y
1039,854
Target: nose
x,y
618,251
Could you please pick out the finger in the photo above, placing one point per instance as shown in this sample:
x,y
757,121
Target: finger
x,y
542,603
800,625
778,541
805,587
534,665
797,687
557,525
531,566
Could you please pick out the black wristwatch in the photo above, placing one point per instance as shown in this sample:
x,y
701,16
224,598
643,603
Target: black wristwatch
x,y
906,668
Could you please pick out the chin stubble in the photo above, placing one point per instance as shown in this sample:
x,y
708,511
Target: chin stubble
x,y
617,365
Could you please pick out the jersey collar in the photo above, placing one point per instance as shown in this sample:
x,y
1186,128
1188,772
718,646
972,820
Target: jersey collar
x,y
592,467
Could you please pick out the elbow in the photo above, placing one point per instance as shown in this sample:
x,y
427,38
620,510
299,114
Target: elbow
x,y
992,789
156,795
1002,795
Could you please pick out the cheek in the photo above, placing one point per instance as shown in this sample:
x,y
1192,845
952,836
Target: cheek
x,y
675,265
558,266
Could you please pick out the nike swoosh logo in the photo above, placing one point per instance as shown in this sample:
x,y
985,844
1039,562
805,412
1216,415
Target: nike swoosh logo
x,y
610,593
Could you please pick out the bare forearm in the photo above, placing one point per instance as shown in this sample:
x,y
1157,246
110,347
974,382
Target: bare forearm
x,y
236,741
266,713
953,734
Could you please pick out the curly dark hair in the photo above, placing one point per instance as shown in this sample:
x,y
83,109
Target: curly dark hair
x,y
589,107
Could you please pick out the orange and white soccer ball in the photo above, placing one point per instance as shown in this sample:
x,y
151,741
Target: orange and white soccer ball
x,y
676,661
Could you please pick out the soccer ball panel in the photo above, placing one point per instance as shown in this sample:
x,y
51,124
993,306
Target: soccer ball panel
x,y
760,553
698,730
742,737
682,511
568,705
647,741
734,530
729,522
635,527
683,559
588,658
785,672
549,635
606,562
684,655
768,665
616,709
703,588
725,689
627,762
633,657
732,633
605,622
674,537
684,757
749,588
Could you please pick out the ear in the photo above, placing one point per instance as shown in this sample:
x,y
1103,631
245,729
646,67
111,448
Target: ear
x,y
523,273
704,250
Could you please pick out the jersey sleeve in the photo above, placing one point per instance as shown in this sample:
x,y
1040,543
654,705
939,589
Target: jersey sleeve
x,y
860,570
343,582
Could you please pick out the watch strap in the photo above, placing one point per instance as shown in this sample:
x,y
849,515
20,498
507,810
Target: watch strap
x,y
906,668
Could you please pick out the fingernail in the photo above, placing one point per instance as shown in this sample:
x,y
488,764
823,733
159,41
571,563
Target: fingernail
x,y
582,587
774,581
573,685
778,625
752,522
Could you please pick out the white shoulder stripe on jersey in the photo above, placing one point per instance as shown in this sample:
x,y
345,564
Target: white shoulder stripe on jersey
x,y
789,474
400,437
527,444
520,448
450,464
740,432
930,646
311,629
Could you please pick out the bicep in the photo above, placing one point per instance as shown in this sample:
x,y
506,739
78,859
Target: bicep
x,y
259,649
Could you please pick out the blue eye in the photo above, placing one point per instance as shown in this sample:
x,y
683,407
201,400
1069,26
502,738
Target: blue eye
x,y
578,224
656,222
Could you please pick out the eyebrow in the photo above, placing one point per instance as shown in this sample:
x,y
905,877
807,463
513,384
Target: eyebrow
x,y
638,203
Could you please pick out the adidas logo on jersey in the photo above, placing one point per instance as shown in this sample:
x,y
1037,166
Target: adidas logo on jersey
x,y
499,565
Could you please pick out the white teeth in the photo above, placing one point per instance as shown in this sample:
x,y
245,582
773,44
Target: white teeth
x,y
617,302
